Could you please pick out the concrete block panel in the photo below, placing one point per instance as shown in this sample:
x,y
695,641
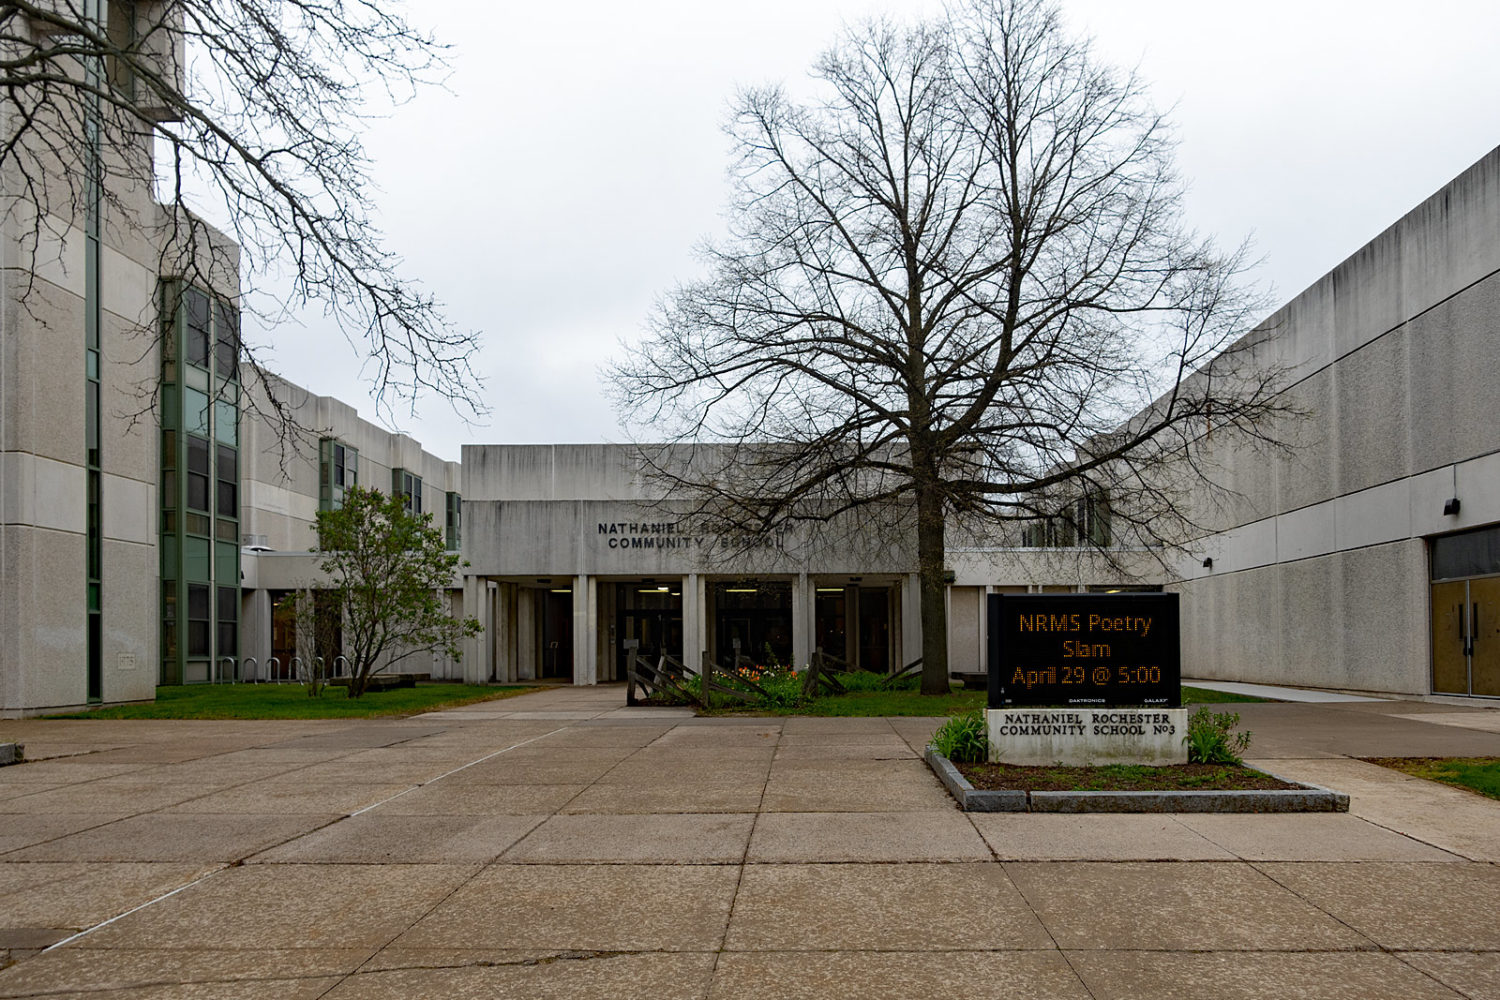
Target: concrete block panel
x,y
43,493
1374,413
1306,532
1311,597
130,615
1384,627
1455,354
1307,473
129,509
46,646
1370,517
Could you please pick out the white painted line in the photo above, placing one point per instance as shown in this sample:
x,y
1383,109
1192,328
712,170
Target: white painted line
x,y
440,777
209,875
134,909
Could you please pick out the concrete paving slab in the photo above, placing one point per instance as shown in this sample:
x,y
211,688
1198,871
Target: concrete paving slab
x,y
1451,819
118,795
681,838
1175,906
912,974
1473,974
821,791
259,907
290,797
1310,837
569,976
67,771
705,795
939,835
1487,721
1418,907
798,725
378,837
265,989
448,799
650,907
503,770
173,837
1098,837
76,895
96,971
691,734
18,830
604,736
1128,975
958,907
884,749
650,772
1361,730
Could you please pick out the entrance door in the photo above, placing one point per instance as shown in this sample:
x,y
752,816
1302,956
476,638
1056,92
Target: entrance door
x,y
651,615
1466,637
555,635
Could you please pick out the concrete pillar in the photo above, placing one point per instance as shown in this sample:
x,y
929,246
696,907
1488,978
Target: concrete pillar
x,y
692,621
802,621
255,633
503,637
585,630
526,658
911,618
984,627
475,667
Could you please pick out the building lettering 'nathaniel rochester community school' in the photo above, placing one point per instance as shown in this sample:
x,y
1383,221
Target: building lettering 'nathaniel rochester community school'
x,y
141,552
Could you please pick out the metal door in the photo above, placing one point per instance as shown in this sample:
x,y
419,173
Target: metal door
x,y
1484,636
1450,637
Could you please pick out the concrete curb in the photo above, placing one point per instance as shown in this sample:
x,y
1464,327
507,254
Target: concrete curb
x,y
11,753
1303,798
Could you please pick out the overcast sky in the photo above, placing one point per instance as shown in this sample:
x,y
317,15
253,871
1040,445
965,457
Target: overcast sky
x,y
562,181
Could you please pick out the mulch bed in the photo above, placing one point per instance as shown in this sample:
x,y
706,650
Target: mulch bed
x,y
1120,778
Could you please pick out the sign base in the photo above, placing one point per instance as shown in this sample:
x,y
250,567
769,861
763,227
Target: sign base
x,y
1079,737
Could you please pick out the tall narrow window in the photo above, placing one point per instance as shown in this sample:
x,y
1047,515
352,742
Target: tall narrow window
x,y
338,472
453,522
409,488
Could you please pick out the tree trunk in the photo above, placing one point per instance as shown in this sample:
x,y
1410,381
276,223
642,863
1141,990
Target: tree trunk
x,y
931,553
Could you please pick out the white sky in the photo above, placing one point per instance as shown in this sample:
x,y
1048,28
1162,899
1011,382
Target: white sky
x,y
560,184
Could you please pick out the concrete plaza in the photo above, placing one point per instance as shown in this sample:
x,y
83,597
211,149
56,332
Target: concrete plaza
x,y
559,845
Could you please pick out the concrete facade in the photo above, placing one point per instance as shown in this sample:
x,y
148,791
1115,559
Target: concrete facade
x,y
1320,569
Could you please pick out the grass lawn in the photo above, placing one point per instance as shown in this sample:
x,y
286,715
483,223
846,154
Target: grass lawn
x,y
1477,774
290,701
906,701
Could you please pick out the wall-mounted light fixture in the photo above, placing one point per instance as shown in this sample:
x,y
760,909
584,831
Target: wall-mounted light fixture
x,y
1208,563
1450,507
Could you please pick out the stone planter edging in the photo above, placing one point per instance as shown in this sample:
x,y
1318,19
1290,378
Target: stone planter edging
x,y
11,753
1303,798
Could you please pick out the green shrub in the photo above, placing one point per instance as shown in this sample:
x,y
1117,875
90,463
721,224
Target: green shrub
x,y
1210,741
964,739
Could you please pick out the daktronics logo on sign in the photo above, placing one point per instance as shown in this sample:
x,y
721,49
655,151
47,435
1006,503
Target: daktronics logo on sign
x,y
1084,649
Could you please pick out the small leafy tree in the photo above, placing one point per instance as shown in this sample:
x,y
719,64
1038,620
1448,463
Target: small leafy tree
x,y
389,574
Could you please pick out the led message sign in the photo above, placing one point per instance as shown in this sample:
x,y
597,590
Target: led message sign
x,y
1084,649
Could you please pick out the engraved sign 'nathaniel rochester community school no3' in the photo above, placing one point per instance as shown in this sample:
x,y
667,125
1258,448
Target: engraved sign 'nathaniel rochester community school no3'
x,y
1085,678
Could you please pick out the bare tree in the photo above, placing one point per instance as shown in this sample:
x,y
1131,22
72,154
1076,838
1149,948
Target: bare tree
x,y
257,104
957,288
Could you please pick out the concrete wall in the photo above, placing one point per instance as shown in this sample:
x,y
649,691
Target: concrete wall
x,y
1320,570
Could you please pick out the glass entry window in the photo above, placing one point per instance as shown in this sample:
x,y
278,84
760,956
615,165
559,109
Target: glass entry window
x,y
554,632
758,615
854,624
651,614
1466,613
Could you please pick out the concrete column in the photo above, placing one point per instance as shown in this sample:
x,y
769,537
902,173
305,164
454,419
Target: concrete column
x,y
255,633
585,630
802,621
984,627
475,667
504,637
692,621
911,618
526,658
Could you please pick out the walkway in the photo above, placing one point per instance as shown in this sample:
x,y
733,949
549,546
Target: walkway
x,y
557,845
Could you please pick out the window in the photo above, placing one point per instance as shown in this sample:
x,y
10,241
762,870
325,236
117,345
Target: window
x,y
229,484
227,341
197,473
229,616
198,619
195,351
454,533
120,29
1048,533
1094,519
338,471
409,488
